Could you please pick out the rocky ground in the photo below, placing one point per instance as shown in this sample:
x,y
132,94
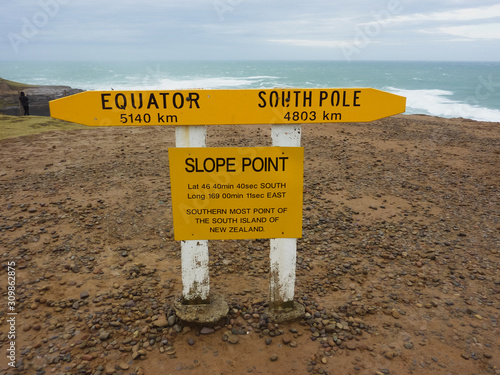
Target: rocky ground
x,y
397,267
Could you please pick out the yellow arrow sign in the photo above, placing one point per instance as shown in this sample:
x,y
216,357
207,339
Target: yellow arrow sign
x,y
227,107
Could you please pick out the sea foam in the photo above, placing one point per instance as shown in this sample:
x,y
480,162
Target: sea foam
x,y
437,103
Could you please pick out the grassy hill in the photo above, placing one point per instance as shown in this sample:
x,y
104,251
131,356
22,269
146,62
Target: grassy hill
x,y
9,86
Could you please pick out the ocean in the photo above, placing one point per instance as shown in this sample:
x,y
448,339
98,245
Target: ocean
x,y
447,89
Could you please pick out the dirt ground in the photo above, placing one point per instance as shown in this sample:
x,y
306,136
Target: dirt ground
x,y
398,266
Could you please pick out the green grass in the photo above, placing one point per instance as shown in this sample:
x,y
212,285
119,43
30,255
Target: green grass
x,y
14,86
4,103
18,126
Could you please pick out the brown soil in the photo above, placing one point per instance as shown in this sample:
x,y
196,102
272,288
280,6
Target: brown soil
x,y
398,264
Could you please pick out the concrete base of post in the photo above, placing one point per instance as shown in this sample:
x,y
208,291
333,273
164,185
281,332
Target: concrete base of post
x,y
297,311
205,314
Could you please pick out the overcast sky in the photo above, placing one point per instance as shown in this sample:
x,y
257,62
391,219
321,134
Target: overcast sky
x,y
250,29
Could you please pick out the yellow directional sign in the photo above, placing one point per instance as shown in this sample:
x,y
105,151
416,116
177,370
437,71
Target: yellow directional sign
x,y
227,107
236,192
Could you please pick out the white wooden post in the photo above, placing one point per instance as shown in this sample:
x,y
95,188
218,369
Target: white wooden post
x,y
283,252
194,254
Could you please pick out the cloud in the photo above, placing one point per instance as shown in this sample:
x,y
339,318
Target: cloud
x,y
464,14
310,42
482,31
232,28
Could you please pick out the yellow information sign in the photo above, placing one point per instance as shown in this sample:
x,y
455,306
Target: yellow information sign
x,y
237,192
227,107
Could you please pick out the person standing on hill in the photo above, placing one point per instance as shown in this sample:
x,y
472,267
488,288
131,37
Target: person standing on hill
x,y
25,102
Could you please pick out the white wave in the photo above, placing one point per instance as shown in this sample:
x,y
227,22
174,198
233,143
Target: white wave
x,y
204,83
263,77
160,83
435,103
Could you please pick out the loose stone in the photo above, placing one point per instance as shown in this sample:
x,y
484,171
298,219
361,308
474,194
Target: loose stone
x,y
408,345
207,331
84,295
171,320
161,322
233,339
350,345
104,335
